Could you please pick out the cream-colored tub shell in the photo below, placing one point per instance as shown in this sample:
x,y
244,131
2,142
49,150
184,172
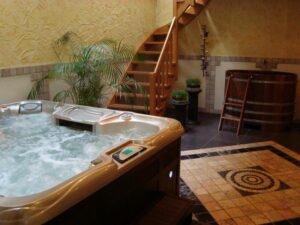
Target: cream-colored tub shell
x,y
42,207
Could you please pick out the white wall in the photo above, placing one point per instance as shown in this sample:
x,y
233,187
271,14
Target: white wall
x,y
187,70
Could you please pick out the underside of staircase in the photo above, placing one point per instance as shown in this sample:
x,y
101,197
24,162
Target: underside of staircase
x,y
187,10
154,66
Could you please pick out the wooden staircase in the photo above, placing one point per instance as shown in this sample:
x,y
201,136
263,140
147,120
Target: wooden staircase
x,y
154,68
155,65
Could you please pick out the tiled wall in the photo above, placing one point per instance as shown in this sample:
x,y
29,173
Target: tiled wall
x,y
214,61
35,73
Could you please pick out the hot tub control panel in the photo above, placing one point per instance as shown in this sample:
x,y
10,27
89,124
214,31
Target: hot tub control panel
x,y
128,152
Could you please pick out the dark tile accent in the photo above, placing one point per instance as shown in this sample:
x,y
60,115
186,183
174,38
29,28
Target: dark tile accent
x,y
242,150
282,186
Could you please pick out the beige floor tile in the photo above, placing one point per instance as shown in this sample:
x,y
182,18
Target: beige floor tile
x,y
212,189
208,182
225,187
254,199
212,206
259,218
234,212
263,207
277,204
243,221
249,209
291,193
227,222
267,197
274,216
287,213
220,215
189,178
296,209
292,203
204,198
233,194
226,204
240,202
200,191
219,181
219,196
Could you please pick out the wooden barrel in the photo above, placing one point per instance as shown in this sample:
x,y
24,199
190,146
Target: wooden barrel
x,y
271,99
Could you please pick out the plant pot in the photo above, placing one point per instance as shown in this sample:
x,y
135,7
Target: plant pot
x,y
193,92
180,108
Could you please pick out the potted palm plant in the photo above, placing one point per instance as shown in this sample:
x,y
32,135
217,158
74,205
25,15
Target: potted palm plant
x,y
193,89
92,72
180,102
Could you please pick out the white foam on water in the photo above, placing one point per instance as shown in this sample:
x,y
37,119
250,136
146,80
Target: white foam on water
x,y
36,155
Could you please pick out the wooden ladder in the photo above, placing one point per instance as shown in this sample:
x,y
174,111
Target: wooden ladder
x,y
242,105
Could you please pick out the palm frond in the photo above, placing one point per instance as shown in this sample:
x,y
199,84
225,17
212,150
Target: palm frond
x,y
91,71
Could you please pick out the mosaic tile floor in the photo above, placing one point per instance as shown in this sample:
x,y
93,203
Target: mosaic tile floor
x,y
243,184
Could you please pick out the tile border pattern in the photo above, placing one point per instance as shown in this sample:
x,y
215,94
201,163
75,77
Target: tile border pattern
x,y
243,150
214,61
200,209
37,71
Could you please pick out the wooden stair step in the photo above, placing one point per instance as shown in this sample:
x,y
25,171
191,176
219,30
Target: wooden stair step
x,y
149,52
154,42
139,95
144,62
232,118
160,33
127,107
144,84
135,72
234,104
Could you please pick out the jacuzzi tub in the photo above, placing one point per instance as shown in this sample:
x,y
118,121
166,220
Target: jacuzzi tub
x,y
144,160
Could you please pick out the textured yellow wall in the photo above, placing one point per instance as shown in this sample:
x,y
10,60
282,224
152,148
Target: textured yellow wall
x,y
28,27
256,28
164,12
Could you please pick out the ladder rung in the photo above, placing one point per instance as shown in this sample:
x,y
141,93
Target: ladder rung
x,y
233,118
233,104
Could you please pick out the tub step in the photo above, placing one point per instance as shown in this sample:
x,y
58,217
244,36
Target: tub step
x,y
168,211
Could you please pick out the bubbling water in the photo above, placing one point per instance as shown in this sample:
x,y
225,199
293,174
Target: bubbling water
x,y
36,155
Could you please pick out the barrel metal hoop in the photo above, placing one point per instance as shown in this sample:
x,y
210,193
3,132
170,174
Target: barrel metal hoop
x,y
262,81
260,112
266,121
263,103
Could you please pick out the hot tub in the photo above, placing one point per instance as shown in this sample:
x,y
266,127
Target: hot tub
x,y
69,164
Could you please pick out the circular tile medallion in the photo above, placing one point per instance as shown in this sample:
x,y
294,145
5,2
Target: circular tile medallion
x,y
252,180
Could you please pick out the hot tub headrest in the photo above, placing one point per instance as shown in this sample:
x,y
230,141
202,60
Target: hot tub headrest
x,y
29,107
